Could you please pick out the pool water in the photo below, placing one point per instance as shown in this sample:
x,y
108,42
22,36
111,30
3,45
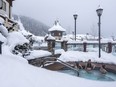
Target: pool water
x,y
93,75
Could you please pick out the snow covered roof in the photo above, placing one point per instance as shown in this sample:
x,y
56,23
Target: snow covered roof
x,y
50,37
56,27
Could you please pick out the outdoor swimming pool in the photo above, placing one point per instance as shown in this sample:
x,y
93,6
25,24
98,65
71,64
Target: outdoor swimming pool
x,y
93,75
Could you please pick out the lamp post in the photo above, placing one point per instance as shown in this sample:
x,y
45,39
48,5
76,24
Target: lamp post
x,y
75,17
99,13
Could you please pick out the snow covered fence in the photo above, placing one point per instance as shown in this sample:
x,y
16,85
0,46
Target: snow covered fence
x,y
85,46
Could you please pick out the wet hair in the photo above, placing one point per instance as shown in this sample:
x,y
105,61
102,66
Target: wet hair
x,y
103,66
89,61
77,63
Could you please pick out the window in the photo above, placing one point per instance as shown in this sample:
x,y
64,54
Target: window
x,y
4,6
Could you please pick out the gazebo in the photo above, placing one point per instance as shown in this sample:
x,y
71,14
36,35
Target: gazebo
x,y
57,31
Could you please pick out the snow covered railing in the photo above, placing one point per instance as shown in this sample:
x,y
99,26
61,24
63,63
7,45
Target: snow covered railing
x,y
90,42
9,24
107,46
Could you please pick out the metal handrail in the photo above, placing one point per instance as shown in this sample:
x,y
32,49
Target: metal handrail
x,y
69,66
65,64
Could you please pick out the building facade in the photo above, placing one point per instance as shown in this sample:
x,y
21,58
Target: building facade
x,y
6,7
6,15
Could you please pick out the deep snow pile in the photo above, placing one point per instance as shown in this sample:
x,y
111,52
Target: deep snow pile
x,y
38,40
16,38
37,54
21,42
3,39
3,29
16,72
85,56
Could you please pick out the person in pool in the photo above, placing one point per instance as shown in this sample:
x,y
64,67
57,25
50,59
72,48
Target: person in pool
x,y
103,69
89,66
77,65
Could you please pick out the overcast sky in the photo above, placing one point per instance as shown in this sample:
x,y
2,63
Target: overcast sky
x,y
47,11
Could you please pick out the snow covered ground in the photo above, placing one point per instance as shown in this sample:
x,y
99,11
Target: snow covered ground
x,y
16,72
84,56
38,53
59,51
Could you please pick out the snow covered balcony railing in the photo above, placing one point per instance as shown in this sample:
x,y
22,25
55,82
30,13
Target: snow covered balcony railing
x,y
107,46
9,24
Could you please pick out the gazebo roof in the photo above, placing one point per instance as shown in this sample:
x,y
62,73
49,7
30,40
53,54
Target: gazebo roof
x,y
57,27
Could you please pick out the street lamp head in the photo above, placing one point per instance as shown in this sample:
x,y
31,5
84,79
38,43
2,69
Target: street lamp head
x,y
99,11
75,16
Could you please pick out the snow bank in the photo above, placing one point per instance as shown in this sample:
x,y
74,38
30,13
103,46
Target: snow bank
x,y
84,56
7,54
1,20
37,53
15,73
59,51
38,40
2,38
44,44
4,31
16,38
